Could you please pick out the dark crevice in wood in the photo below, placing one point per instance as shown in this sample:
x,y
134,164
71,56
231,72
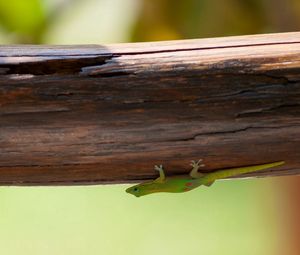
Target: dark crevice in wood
x,y
110,74
227,132
254,112
54,66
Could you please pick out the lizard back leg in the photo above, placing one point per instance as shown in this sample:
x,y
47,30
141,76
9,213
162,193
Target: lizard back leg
x,y
194,172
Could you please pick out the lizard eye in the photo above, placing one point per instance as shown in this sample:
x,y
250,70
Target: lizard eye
x,y
135,189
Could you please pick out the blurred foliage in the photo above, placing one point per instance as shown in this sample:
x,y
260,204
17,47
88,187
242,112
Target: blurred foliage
x,y
66,21
26,19
169,19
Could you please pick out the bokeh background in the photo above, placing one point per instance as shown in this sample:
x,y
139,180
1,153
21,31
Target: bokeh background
x,y
253,216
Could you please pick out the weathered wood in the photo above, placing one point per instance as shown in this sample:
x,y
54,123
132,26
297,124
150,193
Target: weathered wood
x,y
106,114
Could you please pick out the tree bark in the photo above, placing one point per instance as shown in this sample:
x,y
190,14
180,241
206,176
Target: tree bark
x,y
106,114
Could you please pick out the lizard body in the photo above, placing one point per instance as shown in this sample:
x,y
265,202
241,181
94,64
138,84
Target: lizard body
x,y
194,180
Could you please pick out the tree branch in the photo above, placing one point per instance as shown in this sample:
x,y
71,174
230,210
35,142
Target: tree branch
x,y
106,114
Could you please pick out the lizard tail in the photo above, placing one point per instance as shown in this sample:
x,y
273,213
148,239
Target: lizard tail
x,y
210,177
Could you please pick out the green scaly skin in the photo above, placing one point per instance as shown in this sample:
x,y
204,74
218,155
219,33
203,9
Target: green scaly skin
x,y
194,180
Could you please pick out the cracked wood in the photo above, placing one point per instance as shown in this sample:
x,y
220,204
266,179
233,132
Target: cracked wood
x,y
92,114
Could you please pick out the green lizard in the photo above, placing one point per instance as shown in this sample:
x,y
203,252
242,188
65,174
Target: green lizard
x,y
194,180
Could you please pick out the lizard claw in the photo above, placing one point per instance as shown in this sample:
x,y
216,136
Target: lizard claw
x,y
158,168
197,164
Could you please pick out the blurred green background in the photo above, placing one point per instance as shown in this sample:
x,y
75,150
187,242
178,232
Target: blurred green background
x,y
257,216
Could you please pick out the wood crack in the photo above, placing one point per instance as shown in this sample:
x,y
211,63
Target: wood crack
x,y
226,132
64,66
253,112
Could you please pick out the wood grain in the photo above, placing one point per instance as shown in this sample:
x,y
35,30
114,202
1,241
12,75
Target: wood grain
x,y
106,114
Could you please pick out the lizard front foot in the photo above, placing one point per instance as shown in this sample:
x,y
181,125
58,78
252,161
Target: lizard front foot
x,y
158,168
161,177
197,164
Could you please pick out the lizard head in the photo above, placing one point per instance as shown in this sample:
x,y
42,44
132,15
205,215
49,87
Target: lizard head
x,y
142,189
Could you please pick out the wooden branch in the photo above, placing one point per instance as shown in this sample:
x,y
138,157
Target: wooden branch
x,y
106,114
